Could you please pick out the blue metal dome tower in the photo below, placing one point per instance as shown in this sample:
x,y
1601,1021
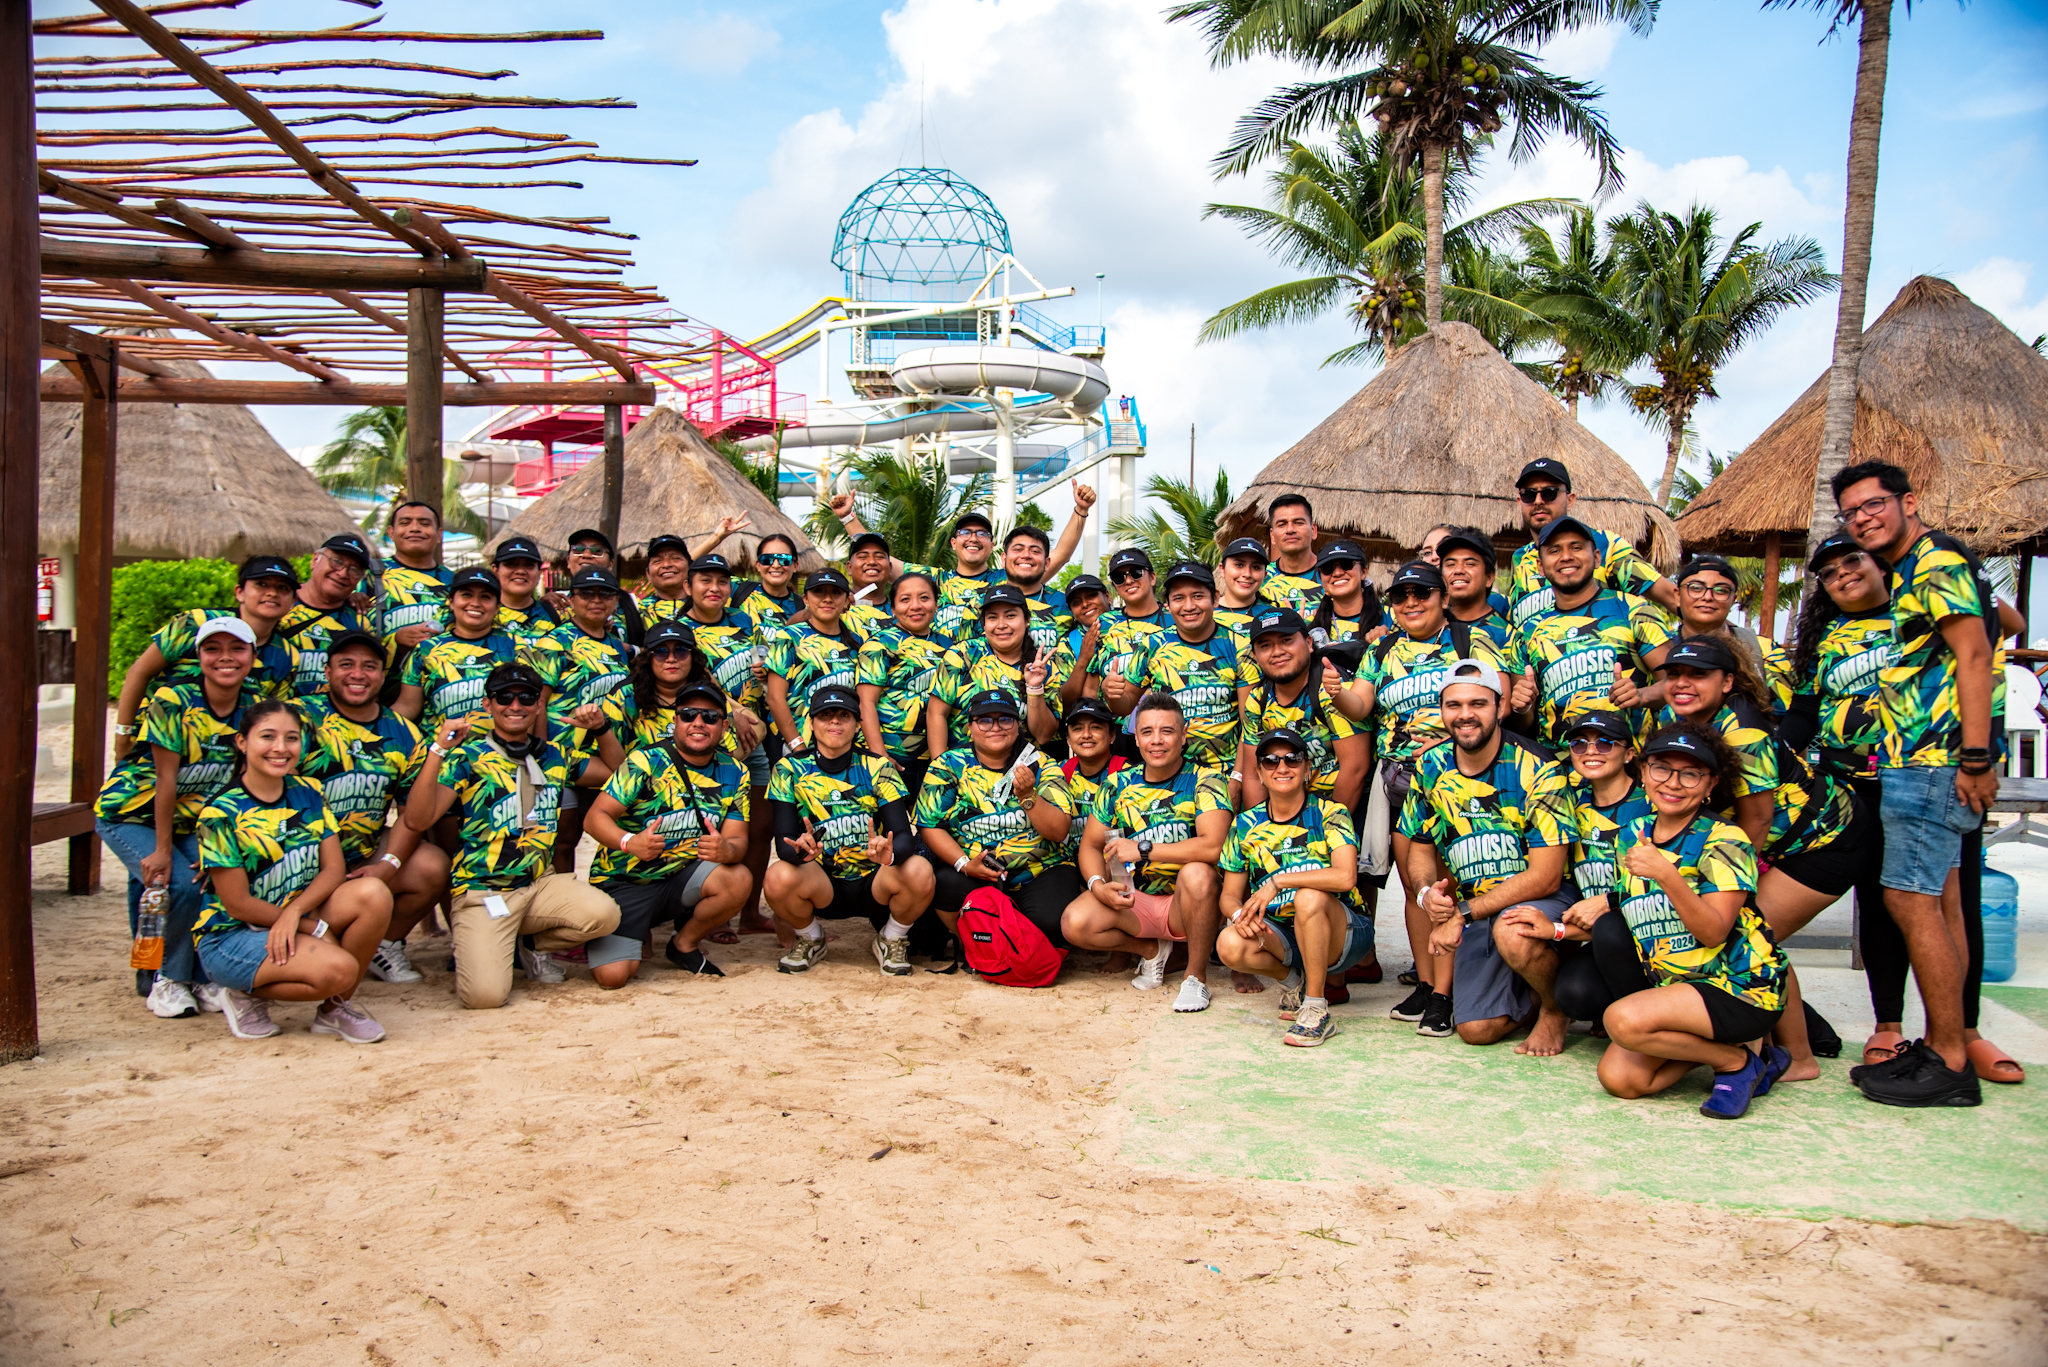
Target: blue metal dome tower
x,y
917,233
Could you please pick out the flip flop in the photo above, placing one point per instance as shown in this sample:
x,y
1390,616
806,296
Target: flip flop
x,y
1993,1063
1881,1046
1408,977
724,936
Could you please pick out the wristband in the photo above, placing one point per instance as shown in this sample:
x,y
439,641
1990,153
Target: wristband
x,y
1034,692
393,860
435,747
1557,928
1098,878
125,730
1975,752
960,863
1236,776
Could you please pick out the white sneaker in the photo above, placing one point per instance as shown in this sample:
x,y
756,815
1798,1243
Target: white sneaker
x,y
172,1000
892,955
1290,996
801,955
541,968
1194,995
248,1017
212,997
390,965
1152,971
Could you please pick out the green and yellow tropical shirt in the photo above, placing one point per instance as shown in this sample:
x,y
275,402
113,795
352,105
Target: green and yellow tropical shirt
x,y
679,799
638,727
276,671
362,770
1495,627
500,846
961,592
868,617
978,807
1261,846
1312,714
1407,677
727,645
1853,655
840,806
1122,637
309,630
409,598
1235,620
450,670
1484,827
1923,719
1074,793
1596,851
535,619
1163,812
906,668
177,718
654,609
973,665
1046,607
807,659
1302,592
276,844
754,600
1204,678
1714,857
1575,654
1792,785
1619,566
579,669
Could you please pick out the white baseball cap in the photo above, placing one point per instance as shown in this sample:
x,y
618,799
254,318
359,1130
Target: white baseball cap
x,y
225,626
1473,672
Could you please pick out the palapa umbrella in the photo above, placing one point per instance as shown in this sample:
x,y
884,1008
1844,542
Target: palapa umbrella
x,y
1439,436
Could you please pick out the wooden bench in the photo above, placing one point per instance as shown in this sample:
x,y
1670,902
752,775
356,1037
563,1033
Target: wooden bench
x,y
59,821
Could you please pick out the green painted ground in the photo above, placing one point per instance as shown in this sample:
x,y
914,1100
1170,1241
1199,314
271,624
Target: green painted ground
x,y
2031,1002
1217,1093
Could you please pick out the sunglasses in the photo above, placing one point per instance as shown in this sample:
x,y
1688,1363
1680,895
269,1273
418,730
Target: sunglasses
x,y
774,558
1849,562
591,548
595,594
1408,591
1341,566
1292,759
515,697
670,651
1599,745
712,715
1687,778
1539,493
1126,575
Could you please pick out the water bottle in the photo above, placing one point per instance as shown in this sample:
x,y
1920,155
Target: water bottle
x,y
2001,925
1119,870
148,950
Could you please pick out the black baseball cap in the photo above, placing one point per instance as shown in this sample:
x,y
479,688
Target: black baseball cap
x,y
1282,736
518,548
1417,573
1608,724
475,577
591,534
668,541
834,697
1004,595
1277,621
711,564
1091,709
512,674
1472,539
990,702
973,520
268,567
1247,545
1675,742
350,545
1841,543
1086,583
869,539
1699,652
1543,467
591,577
1194,571
355,636
1341,550
705,687
1130,556
827,579
1557,525
1707,562
668,631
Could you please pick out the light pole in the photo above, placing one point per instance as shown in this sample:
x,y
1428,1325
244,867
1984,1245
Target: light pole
x,y
1098,297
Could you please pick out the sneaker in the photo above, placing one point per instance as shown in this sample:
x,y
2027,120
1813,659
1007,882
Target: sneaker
x,y
1414,1004
212,997
1290,997
1904,1055
802,955
1335,991
1927,1081
346,1020
1732,1093
1312,1025
172,1000
695,961
1194,995
540,968
892,955
390,965
1367,972
1152,971
1776,1061
1436,1017
248,1017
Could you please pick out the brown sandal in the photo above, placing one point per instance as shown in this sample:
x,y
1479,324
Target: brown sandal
x,y
1993,1063
1882,1046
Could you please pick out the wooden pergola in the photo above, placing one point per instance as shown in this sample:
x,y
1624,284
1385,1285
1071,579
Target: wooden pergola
x,y
271,211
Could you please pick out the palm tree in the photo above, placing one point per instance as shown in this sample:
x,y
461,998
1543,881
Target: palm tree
x,y
1191,532
1349,213
912,502
1696,300
767,478
367,456
1437,76
1569,283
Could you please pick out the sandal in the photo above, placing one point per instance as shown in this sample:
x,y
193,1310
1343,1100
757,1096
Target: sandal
x,y
1882,1046
1993,1063
1408,977
724,935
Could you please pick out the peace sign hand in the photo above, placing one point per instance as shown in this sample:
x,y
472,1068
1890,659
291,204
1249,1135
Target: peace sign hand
x,y
881,848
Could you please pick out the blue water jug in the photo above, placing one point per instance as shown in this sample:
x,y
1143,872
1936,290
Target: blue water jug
x,y
2001,925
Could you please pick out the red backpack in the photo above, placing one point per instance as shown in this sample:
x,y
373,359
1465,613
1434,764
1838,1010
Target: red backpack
x,y
1004,947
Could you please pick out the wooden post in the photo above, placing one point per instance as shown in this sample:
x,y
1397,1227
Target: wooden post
x,y
614,473
423,396
20,478
95,608
1769,625
2025,589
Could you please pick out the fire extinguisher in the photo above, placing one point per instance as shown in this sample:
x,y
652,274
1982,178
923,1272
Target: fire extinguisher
x,y
46,598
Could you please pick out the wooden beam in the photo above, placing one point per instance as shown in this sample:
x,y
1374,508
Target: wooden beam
x,y
20,488
423,397
87,197
185,317
94,568
62,342
614,488
265,270
1769,625
533,308
497,394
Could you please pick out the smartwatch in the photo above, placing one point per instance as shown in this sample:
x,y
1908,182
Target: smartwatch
x,y
1465,911
1144,851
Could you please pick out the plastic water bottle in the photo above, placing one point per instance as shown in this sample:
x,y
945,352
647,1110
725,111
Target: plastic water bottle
x,y
2001,925
148,950
1119,870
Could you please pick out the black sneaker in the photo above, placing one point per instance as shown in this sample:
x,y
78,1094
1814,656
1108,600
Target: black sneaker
x,y
1414,1004
1436,1018
1904,1056
1929,1082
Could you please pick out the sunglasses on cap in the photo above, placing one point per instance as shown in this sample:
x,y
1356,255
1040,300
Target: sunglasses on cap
x,y
516,697
1293,759
1538,493
712,715
775,558
1599,745
1127,574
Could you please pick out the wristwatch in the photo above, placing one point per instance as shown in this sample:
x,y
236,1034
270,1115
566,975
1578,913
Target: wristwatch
x,y
1144,851
1465,911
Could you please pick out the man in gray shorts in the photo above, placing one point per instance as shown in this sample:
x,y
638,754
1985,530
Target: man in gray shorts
x,y
1497,811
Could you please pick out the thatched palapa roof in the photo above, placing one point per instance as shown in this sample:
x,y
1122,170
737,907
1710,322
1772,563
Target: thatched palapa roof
x,y
1439,436
189,480
675,481
1943,390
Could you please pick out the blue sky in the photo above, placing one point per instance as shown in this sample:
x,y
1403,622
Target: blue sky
x,y
1091,123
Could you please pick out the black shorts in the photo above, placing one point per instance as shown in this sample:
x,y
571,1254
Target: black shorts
x,y
1840,864
1735,1021
643,906
569,823
853,897
1042,900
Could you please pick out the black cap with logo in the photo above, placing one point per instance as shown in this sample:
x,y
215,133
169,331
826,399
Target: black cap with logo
x,y
1091,709
1674,742
1191,572
594,578
518,548
1543,467
710,563
993,702
830,580
350,545
1417,574
268,567
475,577
1130,557
512,674
1277,621
1557,527
832,697
1085,583
1471,539
668,632
1246,545
1004,596
1340,550
1700,652
668,541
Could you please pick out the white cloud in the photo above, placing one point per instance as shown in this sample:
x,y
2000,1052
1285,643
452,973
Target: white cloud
x,y
1739,193
2000,285
1582,53
718,44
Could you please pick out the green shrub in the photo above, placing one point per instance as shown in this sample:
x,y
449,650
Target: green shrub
x,y
149,593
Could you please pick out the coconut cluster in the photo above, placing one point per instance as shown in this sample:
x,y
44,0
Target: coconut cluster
x,y
1424,89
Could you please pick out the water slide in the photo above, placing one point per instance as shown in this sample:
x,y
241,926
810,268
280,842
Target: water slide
x,y
958,372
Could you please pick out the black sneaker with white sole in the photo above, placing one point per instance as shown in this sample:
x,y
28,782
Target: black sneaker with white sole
x,y
1928,1081
1414,1004
1436,1017
1904,1056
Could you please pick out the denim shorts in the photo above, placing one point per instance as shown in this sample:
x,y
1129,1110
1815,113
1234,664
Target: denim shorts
x,y
231,957
1357,941
1924,825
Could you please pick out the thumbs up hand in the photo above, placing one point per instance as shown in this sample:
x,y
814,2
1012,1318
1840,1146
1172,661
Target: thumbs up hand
x,y
1623,693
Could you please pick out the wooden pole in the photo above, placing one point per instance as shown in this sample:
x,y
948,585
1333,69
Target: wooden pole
x,y
423,396
273,270
20,477
95,610
497,394
2025,589
614,472
1769,625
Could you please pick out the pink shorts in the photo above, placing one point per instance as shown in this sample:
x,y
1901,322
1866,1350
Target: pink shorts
x,y
1151,911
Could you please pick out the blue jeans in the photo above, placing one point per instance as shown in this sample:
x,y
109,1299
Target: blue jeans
x,y
131,843
1924,825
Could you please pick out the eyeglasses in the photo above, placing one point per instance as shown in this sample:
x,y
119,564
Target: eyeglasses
x,y
972,534
993,719
1850,562
515,697
712,715
1293,759
591,548
670,650
1538,493
1599,745
1696,588
1408,591
1869,507
1126,575
1687,778
774,558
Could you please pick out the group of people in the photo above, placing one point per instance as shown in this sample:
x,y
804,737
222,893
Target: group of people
x,y
1601,799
